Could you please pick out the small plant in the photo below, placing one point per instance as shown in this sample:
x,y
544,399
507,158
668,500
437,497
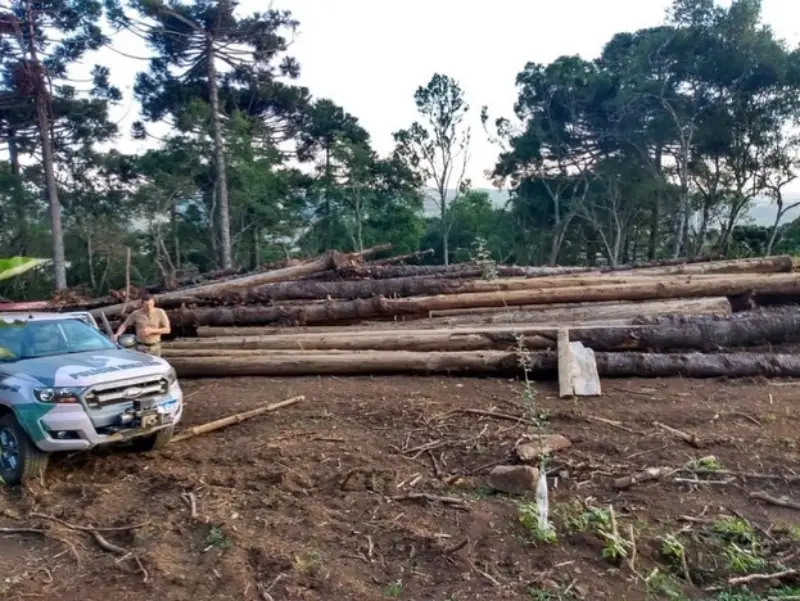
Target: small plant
x,y
482,256
393,589
616,547
216,538
673,550
664,586
528,515
734,530
705,464
589,518
743,561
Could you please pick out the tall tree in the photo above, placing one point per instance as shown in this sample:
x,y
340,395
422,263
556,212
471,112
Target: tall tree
x,y
202,47
37,46
438,147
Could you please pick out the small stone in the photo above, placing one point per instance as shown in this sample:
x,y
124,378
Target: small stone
x,y
542,445
514,479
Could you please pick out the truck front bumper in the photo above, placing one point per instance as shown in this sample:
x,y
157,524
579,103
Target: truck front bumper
x,y
69,427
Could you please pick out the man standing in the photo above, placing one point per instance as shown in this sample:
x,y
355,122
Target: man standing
x,y
150,324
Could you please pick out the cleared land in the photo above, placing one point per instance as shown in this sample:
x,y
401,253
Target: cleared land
x,y
314,501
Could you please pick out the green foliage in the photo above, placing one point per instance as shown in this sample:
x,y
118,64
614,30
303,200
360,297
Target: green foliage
x,y
656,148
528,516
15,266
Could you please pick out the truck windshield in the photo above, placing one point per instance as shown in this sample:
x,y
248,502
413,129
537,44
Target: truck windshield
x,y
31,339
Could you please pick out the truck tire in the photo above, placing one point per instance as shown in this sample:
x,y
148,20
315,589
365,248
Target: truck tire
x,y
153,442
20,460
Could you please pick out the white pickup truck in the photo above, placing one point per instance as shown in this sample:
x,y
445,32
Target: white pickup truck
x,y
64,386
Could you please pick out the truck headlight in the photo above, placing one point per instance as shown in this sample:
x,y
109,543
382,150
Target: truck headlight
x,y
171,376
58,394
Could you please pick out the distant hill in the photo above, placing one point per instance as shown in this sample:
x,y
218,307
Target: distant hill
x,y
762,212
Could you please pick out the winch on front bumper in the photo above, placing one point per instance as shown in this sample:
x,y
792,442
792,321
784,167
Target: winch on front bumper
x,y
143,414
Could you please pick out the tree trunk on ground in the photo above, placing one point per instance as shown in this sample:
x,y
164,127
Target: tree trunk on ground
x,y
456,270
330,312
778,264
781,263
329,260
659,334
568,313
692,365
398,288
503,317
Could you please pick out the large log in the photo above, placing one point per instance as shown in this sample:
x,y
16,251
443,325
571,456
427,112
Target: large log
x,y
397,288
387,340
457,270
376,307
691,365
777,264
705,333
660,334
565,314
329,260
782,263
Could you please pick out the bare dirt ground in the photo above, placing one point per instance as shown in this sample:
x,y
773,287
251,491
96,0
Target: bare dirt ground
x,y
307,503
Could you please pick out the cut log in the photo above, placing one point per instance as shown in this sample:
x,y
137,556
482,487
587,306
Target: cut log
x,y
562,314
755,328
777,264
657,334
404,258
327,261
369,362
458,270
390,340
311,290
690,365
375,307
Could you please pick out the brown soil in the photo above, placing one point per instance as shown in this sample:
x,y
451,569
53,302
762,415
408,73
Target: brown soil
x,y
297,504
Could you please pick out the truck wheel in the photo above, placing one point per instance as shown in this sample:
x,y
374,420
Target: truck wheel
x,y
153,442
20,460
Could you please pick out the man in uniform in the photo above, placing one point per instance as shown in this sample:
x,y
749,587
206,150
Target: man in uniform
x,y
150,324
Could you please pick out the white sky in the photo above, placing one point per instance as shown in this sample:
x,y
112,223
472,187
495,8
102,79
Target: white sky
x,y
370,55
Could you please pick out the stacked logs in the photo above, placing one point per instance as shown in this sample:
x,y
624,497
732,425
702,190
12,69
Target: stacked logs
x,y
340,314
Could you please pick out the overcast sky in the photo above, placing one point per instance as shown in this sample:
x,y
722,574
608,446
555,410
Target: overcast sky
x,y
370,55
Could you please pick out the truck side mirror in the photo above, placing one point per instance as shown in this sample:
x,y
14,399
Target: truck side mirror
x,y
127,341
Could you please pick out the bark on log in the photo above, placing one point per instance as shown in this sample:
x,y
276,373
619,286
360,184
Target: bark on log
x,y
377,307
661,334
458,270
386,340
691,365
777,264
581,314
394,288
331,259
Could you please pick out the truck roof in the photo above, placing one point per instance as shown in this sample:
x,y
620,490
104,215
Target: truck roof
x,y
10,317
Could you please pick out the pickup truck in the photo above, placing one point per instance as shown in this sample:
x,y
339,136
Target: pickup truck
x,y
64,386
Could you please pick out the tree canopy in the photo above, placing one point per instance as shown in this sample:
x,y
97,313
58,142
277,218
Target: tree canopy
x,y
657,148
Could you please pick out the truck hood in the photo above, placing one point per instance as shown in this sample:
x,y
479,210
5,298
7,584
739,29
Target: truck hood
x,y
85,369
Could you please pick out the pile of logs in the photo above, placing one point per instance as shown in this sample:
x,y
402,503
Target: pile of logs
x,y
340,314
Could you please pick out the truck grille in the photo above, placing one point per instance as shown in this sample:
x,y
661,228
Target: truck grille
x,y
125,392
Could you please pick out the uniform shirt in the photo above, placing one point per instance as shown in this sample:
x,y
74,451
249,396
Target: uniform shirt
x,y
156,318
